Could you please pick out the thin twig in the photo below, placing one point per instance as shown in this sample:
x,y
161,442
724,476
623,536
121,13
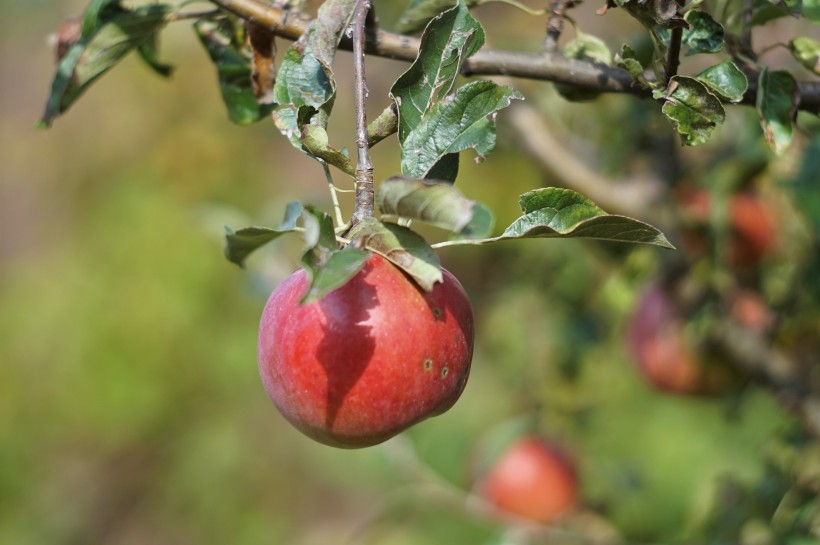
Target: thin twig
x,y
555,25
746,32
487,61
364,168
673,55
185,15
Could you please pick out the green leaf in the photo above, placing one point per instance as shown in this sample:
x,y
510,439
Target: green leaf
x,y
240,244
402,247
562,213
383,126
95,14
692,109
726,79
320,238
446,42
704,35
339,267
480,226
305,85
327,266
464,120
584,47
233,68
149,51
315,142
764,11
658,13
811,10
434,202
416,16
587,47
806,188
445,169
807,52
777,94
109,33
627,59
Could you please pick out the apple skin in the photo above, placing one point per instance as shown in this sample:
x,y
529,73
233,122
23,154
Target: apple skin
x,y
531,479
665,359
369,359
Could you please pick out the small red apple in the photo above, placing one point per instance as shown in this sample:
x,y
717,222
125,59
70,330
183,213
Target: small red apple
x,y
753,224
370,358
751,220
656,337
531,479
749,310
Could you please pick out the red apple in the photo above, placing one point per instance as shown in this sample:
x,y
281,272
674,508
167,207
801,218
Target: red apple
x,y
749,310
656,337
753,225
531,479
370,358
751,220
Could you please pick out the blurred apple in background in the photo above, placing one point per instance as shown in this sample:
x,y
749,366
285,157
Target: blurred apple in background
x,y
752,223
533,479
664,356
750,311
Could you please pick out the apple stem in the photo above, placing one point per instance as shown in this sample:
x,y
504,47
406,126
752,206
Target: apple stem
x,y
365,193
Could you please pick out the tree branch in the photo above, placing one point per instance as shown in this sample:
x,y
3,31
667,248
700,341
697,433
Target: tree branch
x,y
364,168
536,66
631,197
673,56
753,355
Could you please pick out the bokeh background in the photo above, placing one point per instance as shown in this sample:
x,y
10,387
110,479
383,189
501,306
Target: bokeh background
x,y
131,411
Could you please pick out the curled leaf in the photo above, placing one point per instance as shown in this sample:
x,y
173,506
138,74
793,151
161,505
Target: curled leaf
x,y
402,247
240,244
109,32
263,70
562,213
452,37
726,79
305,84
584,47
233,68
776,104
704,35
693,110
434,202
315,141
807,51
463,121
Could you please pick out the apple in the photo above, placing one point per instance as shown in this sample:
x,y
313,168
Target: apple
x,y
753,224
370,358
533,479
751,220
751,311
665,358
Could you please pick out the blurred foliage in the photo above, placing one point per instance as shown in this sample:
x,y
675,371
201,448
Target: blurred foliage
x,y
130,405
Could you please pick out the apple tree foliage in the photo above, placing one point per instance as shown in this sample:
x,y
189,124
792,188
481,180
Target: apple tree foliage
x,y
434,115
